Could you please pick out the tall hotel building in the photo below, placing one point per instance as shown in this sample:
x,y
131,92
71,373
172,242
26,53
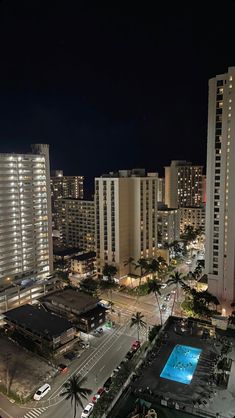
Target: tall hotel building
x,y
63,187
25,214
78,223
126,218
183,184
220,204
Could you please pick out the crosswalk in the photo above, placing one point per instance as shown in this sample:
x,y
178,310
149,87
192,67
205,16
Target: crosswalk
x,y
34,413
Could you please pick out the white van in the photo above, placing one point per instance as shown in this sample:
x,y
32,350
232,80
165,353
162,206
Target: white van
x,y
41,392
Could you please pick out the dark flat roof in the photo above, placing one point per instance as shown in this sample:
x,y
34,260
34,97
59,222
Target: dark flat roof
x,y
93,312
73,299
38,320
63,251
85,256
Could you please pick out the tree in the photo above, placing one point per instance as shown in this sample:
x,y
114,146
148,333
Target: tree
x,y
153,332
109,270
137,320
141,264
177,279
74,391
89,285
154,287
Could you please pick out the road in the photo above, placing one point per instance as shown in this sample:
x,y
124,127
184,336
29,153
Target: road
x,y
98,362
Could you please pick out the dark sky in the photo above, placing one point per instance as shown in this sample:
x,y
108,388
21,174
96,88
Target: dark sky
x,y
111,86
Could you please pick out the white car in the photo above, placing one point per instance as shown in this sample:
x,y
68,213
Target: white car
x,y
41,392
87,411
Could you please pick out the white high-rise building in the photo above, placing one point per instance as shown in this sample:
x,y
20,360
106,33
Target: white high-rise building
x,y
25,215
126,218
220,202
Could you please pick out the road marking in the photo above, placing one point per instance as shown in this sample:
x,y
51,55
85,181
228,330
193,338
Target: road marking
x,y
102,368
5,412
34,413
119,348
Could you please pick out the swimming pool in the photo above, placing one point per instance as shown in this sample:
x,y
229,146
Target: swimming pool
x,y
181,364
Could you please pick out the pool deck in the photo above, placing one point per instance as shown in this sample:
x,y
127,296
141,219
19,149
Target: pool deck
x,y
153,386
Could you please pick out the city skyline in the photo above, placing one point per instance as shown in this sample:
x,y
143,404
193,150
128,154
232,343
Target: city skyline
x,y
104,79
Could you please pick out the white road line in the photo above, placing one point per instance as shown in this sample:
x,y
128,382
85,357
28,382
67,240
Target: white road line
x,y
102,368
34,413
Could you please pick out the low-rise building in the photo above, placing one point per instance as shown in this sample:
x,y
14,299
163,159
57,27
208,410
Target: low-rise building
x,y
84,264
48,332
194,216
78,307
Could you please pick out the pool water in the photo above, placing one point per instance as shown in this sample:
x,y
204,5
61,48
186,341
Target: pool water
x,y
181,364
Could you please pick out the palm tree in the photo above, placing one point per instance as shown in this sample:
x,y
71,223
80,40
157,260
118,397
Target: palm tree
x,y
141,264
176,278
154,287
137,320
74,391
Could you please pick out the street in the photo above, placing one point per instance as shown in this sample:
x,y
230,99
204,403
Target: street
x,y
105,353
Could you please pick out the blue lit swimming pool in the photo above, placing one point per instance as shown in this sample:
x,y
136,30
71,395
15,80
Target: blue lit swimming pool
x,y
181,364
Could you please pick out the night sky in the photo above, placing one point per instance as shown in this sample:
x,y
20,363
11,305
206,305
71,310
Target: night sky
x,y
111,87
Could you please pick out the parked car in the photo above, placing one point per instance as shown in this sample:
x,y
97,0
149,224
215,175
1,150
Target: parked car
x,y
84,344
62,368
163,285
70,356
167,297
98,395
87,410
114,372
135,345
130,354
41,392
107,384
163,307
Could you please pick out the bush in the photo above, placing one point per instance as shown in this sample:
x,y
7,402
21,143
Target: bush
x,y
153,332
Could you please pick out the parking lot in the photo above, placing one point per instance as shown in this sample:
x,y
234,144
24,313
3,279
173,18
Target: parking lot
x,y
21,370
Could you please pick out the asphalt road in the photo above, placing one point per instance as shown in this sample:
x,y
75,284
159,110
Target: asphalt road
x,y
97,367
98,362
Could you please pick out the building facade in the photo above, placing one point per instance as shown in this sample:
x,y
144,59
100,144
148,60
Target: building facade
x,y
63,187
161,190
183,184
126,218
193,216
78,223
25,215
168,225
220,196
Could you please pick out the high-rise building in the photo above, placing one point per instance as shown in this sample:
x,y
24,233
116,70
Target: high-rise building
x,y
161,190
168,225
78,223
126,218
25,215
192,216
63,187
183,184
220,194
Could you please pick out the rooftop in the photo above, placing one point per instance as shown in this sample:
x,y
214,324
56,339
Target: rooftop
x,y
75,300
64,251
85,256
37,319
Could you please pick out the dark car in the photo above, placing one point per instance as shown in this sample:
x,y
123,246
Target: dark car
x,y
63,368
70,356
107,384
167,297
130,354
